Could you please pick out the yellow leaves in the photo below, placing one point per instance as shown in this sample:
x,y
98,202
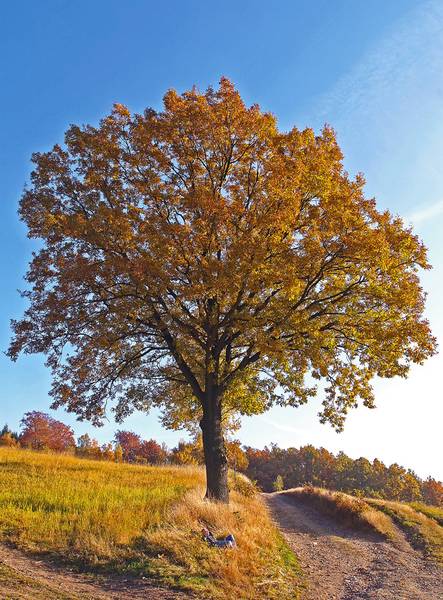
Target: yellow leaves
x,y
122,110
255,248
51,220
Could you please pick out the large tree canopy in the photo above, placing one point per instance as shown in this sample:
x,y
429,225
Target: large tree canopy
x,y
202,260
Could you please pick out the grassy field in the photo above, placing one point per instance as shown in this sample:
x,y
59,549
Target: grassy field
x,y
146,521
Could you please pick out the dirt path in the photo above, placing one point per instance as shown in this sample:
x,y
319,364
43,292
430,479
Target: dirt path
x,y
345,565
30,579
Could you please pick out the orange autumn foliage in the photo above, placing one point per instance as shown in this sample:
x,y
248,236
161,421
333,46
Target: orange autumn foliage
x,y
42,432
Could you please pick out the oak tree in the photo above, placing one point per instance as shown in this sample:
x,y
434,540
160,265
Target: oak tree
x,y
200,259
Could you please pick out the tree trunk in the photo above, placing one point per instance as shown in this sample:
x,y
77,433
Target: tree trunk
x,y
214,449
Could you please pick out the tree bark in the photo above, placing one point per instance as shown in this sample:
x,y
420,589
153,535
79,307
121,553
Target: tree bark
x,y
214,449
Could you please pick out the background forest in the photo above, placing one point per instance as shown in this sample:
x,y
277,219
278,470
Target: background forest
x,y
272,468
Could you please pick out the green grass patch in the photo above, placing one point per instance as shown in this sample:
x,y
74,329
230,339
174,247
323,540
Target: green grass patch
x,y
433,512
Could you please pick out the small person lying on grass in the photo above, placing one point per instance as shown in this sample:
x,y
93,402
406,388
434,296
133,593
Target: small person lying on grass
x,y
226,542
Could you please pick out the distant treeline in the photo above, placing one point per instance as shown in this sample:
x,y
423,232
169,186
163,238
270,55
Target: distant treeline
x,y
275,469
40,431
272,468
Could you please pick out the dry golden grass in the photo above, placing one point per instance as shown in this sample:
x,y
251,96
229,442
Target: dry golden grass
x,y
52,502
422,531
145,521
260,567
346,509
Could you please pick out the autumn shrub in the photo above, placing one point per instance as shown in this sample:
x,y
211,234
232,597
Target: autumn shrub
x,y
7,439
242,484
278,484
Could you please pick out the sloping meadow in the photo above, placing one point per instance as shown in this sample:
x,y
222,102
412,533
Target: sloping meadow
x,y
143,521
419,522
421,525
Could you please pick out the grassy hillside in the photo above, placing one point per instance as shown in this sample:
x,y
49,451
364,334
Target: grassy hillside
x,y
420,523
346,509
423,532
433,512
102,516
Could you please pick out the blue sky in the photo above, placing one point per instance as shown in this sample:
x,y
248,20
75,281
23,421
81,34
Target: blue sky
x,y
373,70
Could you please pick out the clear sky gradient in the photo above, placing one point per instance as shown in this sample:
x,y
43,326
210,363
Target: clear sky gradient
x,y
373,70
